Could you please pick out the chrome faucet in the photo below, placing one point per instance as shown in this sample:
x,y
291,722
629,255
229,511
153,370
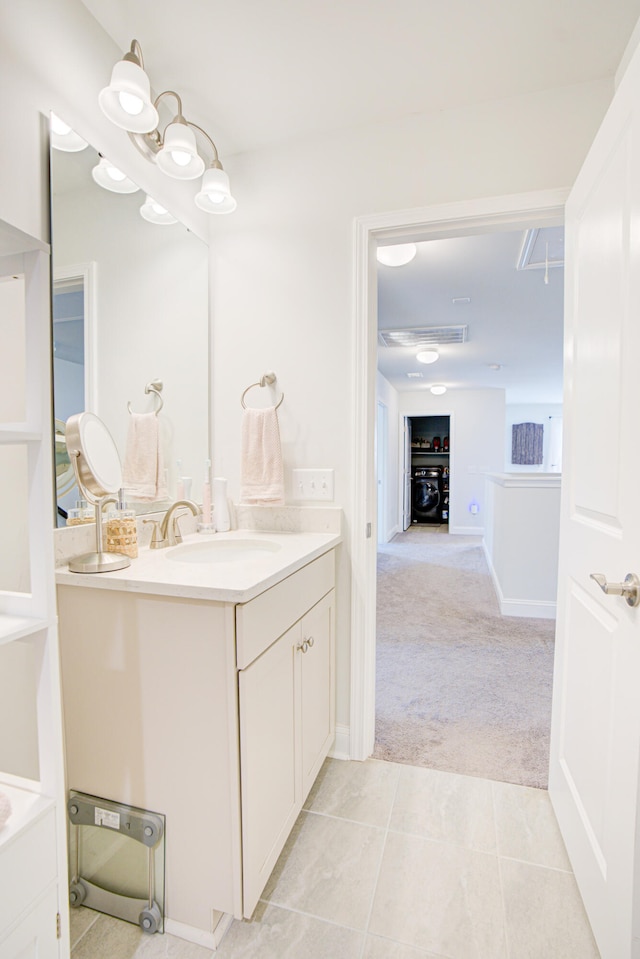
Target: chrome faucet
x,y
170,533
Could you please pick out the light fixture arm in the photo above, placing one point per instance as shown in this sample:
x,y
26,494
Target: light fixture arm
x,y
171,93
135,54
216,159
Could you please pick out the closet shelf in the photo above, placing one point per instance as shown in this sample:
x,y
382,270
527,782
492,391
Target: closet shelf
x,y
16,433
27,806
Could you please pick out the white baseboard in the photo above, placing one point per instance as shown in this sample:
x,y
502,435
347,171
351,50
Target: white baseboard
x,y
210,940
467,530
530,608
341,744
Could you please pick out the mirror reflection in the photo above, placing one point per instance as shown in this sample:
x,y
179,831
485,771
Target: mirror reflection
x,y
130,308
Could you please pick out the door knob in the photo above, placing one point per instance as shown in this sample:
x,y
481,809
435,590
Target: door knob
x,y
630,589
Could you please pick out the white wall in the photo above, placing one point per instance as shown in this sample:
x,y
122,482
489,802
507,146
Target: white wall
x,y
393,518
282,266
531,413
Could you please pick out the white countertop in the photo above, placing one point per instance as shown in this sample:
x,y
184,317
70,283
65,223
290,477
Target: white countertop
x,y
236,581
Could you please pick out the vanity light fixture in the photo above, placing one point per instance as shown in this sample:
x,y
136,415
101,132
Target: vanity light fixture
x,y
427,356
63,137
398,254
438,390
127,99
111,178
154,212
175,148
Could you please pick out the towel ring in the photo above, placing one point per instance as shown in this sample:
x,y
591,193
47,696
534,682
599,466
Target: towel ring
x,y
155,386
266,380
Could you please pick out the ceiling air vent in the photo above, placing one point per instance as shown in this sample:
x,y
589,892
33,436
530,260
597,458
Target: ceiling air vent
x,y
424,336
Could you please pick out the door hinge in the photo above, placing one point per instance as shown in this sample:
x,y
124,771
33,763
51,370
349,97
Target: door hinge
x,y
58,926
368,531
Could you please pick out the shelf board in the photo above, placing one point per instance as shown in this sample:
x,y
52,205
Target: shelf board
x,y
18,627
16,433
429,452
27,806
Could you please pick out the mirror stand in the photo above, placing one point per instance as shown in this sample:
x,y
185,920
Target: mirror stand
x,y
99,561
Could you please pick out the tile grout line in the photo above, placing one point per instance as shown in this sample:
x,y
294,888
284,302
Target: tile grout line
x,y
379,869
500,878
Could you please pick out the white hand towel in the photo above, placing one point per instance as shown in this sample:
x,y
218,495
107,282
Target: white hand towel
x,y
143,473
261,471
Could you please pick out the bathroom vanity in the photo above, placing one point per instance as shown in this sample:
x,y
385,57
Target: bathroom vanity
x,y
202,688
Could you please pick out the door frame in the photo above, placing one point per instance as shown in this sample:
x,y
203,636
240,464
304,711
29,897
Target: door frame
x,y
463,218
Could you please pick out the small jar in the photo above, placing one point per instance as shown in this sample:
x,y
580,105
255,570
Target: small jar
x,y
80,514
122,530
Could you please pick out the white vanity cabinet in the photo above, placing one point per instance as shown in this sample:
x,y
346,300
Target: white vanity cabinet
x,y
208,712
286,698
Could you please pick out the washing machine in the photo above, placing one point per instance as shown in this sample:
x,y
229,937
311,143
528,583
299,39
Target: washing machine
x,y
427,494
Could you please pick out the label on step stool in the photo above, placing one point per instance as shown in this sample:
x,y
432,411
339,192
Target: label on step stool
x,y
104,817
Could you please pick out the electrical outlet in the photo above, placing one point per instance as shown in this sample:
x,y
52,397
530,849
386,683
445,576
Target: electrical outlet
x,y
313,484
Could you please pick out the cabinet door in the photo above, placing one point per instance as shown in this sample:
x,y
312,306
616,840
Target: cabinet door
x,y
268,746
316,690
36,936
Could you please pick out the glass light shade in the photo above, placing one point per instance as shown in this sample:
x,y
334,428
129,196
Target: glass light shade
x,y
63,137
438,390
127,99
215,194
427,356
153,212
179,156
398,255
111,178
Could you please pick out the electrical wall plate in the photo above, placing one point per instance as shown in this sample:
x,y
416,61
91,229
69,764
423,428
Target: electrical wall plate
x,y
313,484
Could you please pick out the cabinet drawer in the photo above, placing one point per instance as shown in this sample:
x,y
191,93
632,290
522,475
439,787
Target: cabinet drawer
x,y
262,620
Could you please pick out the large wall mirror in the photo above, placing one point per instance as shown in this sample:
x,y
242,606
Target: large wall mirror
x,y
130,308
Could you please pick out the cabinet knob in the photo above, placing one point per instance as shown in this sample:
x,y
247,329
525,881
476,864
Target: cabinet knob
x,y
310,641
304,646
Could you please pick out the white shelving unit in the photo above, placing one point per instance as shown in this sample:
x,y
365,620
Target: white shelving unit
x,y
33,874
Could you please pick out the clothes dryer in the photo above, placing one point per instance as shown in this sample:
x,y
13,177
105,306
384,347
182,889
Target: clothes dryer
x,y
427,494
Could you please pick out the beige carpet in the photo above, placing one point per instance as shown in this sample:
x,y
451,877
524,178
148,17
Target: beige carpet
x,y
460,687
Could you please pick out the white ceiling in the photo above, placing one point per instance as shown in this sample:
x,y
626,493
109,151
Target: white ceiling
x,y
256,73
514,319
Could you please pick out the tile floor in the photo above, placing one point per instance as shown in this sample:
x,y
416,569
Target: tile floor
x,y
397,862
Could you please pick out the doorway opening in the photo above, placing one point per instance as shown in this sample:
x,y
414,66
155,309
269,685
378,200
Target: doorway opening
x,y
454,220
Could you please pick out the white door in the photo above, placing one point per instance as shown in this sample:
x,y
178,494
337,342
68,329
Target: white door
x,y
596,716
406,502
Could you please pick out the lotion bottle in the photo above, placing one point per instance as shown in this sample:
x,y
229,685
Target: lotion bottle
x,y
221,505
206,526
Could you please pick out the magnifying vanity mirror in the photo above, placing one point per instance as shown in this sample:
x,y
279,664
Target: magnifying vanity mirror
x,y
96,465
130,307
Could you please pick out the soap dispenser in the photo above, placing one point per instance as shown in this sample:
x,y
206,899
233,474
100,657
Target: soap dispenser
x,y
122,531
221,516
81,513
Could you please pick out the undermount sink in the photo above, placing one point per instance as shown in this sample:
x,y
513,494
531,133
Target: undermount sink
x,y
223,551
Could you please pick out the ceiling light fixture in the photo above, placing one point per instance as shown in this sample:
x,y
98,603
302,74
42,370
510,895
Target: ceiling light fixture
x,y
111,178
438,390
63,137
154,212
126,102
427,356
398,255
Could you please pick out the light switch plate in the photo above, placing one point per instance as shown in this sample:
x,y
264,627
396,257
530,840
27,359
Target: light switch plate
x,y
313,484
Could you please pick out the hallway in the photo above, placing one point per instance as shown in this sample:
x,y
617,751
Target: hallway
x,y
459,687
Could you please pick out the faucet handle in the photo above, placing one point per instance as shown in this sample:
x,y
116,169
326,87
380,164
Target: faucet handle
x,y
157,542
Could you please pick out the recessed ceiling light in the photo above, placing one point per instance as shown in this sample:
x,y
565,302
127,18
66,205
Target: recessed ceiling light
x,y
427,356
415,376
495,366
461,299
438,390
398,255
